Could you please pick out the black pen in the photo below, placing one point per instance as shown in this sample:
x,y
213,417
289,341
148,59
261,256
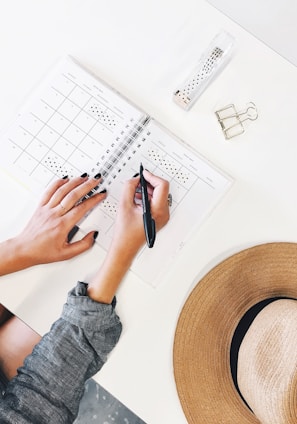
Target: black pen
x,y
148,221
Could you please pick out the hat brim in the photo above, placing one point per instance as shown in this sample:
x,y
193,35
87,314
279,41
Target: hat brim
x,y
208,320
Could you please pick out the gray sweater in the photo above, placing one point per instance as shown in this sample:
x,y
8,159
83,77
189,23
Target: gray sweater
x,y
49,386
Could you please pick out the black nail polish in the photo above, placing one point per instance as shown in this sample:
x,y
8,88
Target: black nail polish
x,y
103,191
95,235
84,175
135,175
97,176
65,177
72,233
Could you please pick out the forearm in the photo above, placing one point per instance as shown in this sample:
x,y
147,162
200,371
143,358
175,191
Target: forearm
x,y
49,386
103,285
129,235
13,256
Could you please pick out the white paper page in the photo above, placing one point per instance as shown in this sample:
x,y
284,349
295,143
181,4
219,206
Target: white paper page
x,y
65,126
195,184
73,124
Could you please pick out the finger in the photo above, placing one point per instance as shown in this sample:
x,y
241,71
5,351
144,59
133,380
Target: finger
x,y
72,233
79,211
80,194
52,188
159,199
153,179
78,247
161,187
63,190
129,192
150,190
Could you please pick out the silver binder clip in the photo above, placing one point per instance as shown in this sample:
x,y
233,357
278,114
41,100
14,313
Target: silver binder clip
x,y
231,120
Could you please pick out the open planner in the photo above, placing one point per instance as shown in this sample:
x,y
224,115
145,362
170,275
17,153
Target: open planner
x,y
74,123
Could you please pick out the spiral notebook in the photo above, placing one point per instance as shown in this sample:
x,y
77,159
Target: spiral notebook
x,y
74,123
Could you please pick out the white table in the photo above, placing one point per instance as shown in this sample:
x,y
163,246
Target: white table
x,y
271,21
145,51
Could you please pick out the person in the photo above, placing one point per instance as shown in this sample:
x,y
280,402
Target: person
x,y
42,379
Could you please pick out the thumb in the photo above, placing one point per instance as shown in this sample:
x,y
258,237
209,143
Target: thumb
x,y
160,186
80,246
128,193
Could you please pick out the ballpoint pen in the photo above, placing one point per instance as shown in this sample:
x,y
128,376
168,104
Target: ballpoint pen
x,y
148,221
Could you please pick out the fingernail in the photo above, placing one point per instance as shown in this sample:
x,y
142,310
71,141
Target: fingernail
x,y
95,235
97,176
72,233
65,177
84,175
103,191
135,175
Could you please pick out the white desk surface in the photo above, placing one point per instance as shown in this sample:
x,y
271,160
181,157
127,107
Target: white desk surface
x,y
271,21
144,52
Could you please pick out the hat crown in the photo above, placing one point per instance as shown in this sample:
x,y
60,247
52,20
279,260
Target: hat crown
x,y
206,328
267,364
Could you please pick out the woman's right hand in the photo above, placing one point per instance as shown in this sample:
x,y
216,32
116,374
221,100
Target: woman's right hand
x,y
129,235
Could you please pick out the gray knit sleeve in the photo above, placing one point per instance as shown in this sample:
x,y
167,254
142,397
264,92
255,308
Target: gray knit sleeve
x,y
49,386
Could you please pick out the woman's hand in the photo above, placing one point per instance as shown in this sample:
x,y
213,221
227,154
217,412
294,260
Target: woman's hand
x,y
45,237
129,235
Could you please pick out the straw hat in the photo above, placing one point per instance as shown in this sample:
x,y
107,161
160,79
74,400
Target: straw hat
x,y
235,347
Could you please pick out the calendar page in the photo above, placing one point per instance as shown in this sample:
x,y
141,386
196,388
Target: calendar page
x,y
75,123
70,121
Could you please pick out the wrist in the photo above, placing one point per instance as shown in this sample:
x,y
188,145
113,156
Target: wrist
x,y
104,284
125,248
14,256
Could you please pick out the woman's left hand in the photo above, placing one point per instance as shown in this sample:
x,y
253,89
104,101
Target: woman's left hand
x,y
45,237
